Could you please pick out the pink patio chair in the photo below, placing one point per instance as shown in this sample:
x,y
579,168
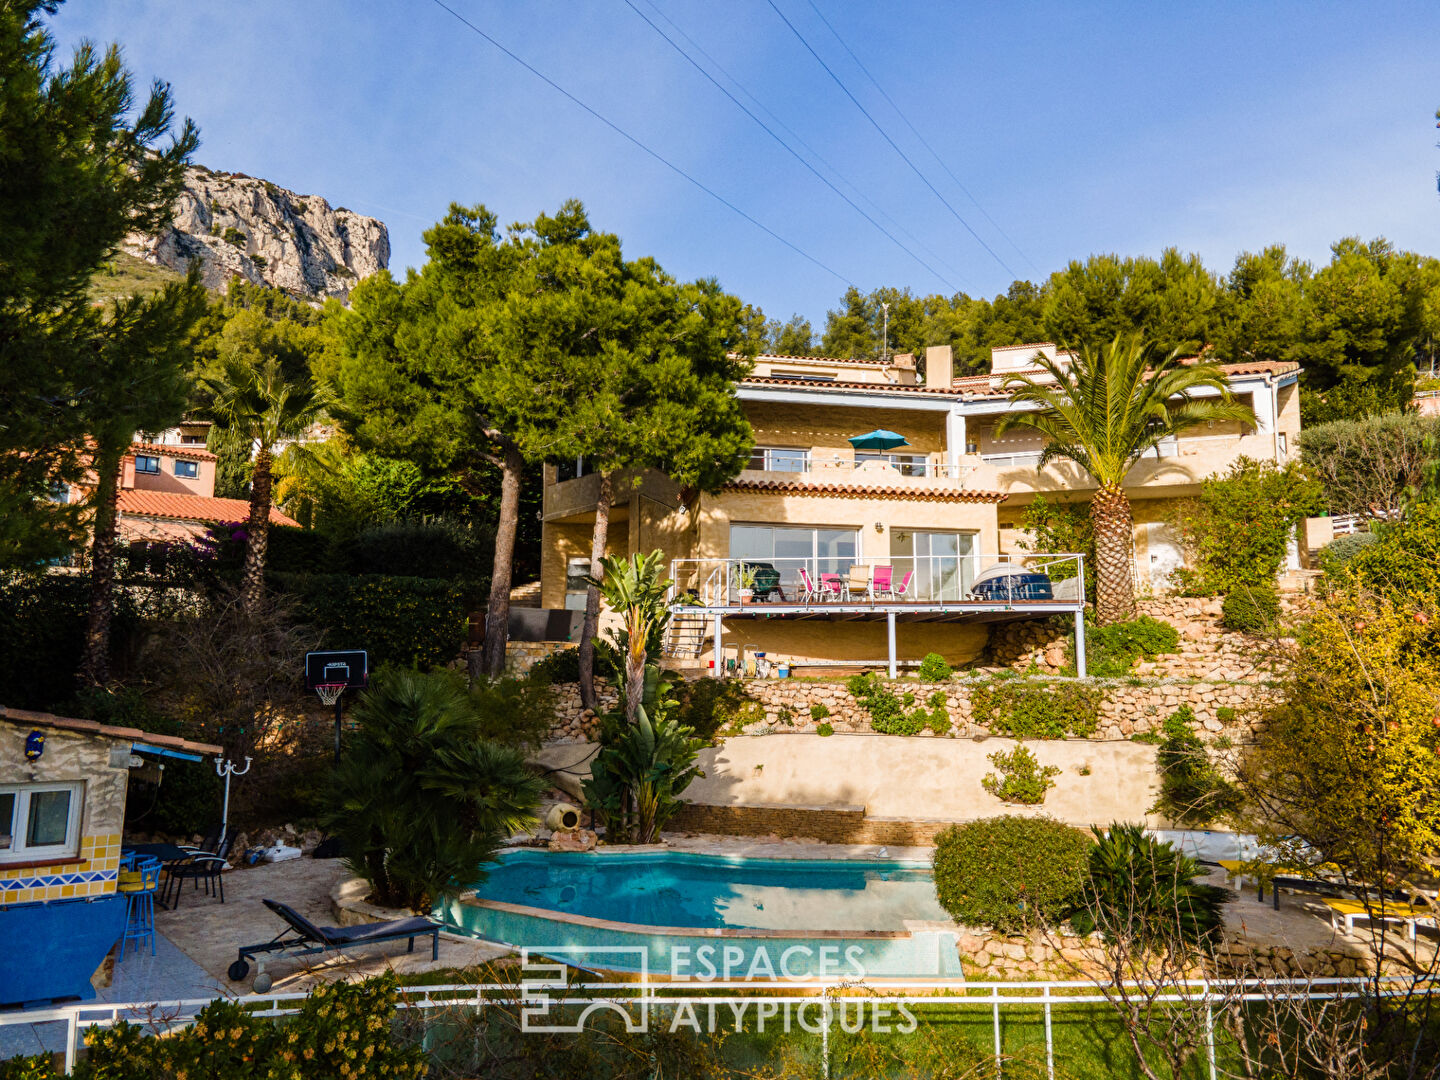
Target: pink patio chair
x,y
881,581
902,591
808,591
831,587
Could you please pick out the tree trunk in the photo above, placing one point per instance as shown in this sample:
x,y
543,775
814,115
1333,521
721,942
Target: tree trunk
x,y
252,582
1114,527
598,539
497,614
95,667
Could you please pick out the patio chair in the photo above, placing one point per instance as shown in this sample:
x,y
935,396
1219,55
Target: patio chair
x,y
882,582
301,937
902,591
858,582
808,589
206,866
831,587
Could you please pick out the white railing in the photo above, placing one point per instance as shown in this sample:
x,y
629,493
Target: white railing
x,y
845,579
1006,461
537,1000
878,466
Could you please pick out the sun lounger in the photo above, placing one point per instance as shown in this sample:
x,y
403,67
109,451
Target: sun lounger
x,y
1348,911
303,938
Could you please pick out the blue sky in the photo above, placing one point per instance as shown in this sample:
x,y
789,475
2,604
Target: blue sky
x,y
1079,128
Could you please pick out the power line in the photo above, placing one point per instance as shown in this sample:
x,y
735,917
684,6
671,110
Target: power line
x,y
916,131
769,131
893,145
633,140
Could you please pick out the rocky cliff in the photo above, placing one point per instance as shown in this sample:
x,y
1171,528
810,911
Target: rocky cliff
x,y
238,226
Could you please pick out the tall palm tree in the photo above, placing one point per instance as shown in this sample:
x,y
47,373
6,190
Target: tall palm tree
x,y
255,408
1103,410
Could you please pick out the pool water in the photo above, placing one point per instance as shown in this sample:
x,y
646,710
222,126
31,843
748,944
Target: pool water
x,y
675,889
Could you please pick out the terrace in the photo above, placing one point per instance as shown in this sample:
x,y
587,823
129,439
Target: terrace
x,y
961,588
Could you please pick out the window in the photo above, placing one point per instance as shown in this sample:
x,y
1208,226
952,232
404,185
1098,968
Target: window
x,y
146,464
779,459
192,440
904,464
40,821
571,470
187,469
1282,443
787,549
944,563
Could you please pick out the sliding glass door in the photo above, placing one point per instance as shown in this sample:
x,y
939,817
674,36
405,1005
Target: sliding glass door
x,y
944,565
788,548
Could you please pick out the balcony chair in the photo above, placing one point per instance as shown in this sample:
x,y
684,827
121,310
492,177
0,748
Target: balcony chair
x,y
205,866
902,591
808,589
858,583
882,580
832,587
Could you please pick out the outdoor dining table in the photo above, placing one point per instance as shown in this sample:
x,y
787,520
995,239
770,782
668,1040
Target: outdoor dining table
x,y
166,853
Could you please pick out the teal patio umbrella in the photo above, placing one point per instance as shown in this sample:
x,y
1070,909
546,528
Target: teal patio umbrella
x,y
879,439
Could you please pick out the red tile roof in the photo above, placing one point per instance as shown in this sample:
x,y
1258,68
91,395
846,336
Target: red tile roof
x,y
820,359
164,504
91,727
860,491
829,384
979,385
199,453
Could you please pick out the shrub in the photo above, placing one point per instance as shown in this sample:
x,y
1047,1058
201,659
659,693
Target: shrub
x,y
563,665
420,757
1021,778
1012,873
426,549
824,730
1026,711
1111,651
1405,556
1193,793
934,668
234,236
1251,610
1368,462
1334,555
1225,714
299,551
819,711
636,780
708,706
888,714
785,715
410,621
1237,530
1142,890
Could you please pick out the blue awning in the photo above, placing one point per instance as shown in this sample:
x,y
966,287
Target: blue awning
x,y
146,748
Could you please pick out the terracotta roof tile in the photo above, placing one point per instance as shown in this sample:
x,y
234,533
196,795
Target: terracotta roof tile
x,y
165,504
92,727
820,359
979,385
829,384
198,453
860,491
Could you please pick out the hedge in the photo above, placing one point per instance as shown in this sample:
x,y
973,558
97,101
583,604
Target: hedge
x,y
1012,873
410,621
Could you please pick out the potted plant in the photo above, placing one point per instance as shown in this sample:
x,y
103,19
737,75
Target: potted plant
x,y
745,582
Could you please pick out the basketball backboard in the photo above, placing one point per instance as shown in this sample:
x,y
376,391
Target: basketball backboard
x,y
348,668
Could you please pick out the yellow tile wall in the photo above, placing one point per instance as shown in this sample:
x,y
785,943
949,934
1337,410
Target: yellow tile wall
x,y
97,852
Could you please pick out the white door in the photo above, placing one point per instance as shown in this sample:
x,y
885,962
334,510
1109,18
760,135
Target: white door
x,y
1164,553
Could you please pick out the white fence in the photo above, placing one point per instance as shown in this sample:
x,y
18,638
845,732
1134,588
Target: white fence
x,y
638,1000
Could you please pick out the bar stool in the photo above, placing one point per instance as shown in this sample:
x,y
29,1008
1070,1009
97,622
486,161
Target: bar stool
x,y
139,878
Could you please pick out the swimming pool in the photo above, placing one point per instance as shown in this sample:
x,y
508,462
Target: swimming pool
x,y
874,918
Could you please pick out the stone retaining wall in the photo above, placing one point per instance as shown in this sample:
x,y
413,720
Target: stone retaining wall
x,y
820,824
575,723
1129,707
521,656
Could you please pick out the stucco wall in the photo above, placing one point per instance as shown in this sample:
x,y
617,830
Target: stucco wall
x,y
825,640
826,429
924,778
69,757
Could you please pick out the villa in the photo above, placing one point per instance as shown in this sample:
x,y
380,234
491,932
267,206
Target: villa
x,y
904,534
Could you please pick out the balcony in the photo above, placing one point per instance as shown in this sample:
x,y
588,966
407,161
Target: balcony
x,y
841,467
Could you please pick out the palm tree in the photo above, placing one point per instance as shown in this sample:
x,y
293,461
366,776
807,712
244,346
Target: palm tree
x,y
638,589
255,408
1103,410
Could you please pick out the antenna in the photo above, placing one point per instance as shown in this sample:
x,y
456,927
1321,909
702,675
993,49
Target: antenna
x,y
885,334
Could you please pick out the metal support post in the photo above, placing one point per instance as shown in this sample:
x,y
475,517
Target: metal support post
x,y
1080,642
719,653
890,626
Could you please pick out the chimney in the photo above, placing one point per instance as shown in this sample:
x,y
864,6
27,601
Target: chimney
x,y
939,366
903,367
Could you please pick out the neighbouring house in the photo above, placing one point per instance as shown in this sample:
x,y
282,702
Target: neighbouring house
x,y
167,490
63,784
940,513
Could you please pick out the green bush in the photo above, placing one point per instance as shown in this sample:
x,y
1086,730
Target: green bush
x,y
1025,711
1404,559
1193,793
934,668
42,628
427,549
888,713
409,621
824,730
1142,890
1239,526
563,665
1225,714
708,706
1021,778
419,757
639,774
1111,651
1012,873
1334,555
819,711
342,1029
1251,610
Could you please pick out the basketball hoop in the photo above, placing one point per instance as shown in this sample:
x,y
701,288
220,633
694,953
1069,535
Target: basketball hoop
x,y
329,692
